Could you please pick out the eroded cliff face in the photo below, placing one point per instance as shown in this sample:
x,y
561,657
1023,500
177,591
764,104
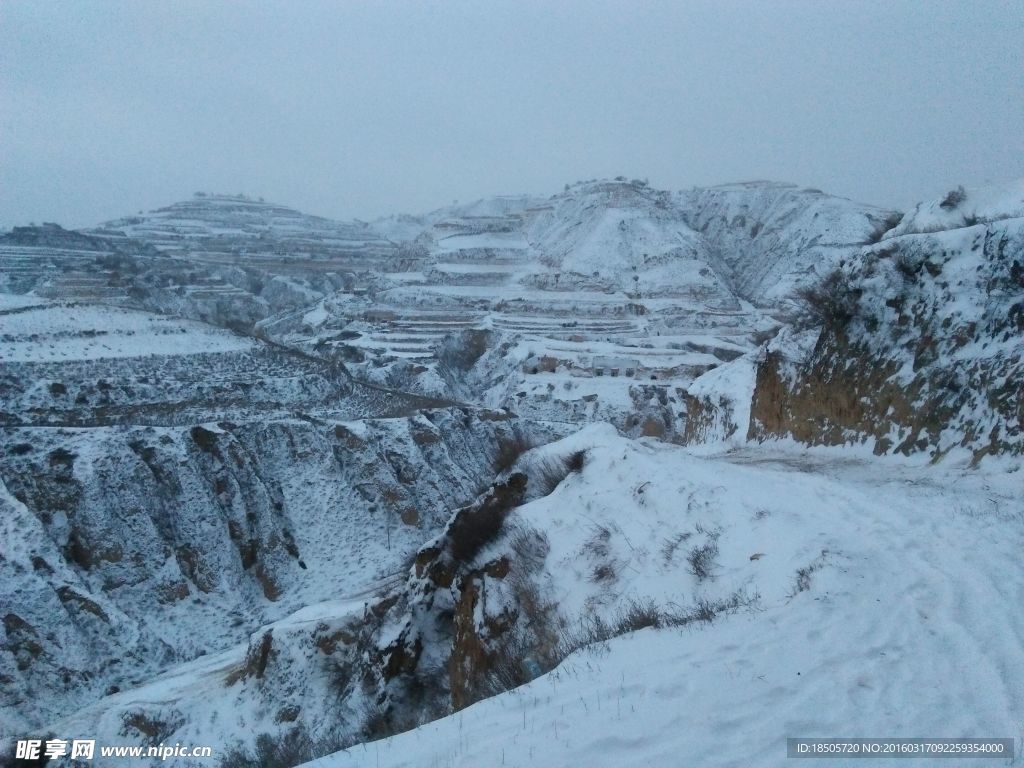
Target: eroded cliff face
x,y
130,549
433,639
926,356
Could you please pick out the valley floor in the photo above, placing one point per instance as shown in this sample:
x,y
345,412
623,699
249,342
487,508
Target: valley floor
x,y
906,625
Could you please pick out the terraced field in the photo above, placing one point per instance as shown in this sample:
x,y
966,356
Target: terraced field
x,y
412,335
75,364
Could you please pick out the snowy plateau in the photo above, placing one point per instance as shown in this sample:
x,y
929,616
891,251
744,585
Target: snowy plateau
x,y
614,477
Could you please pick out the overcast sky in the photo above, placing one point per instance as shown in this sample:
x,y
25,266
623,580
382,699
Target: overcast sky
x,y
350,109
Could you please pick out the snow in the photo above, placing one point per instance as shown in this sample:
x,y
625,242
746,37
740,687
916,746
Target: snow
x,y
983,204
728,389
769,238
905,629
619,230
482,240
10,301
68,331
316,316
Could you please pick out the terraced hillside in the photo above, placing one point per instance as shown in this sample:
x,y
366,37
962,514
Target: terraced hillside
x,y
237,231
223,259
605,301
76,364
602,302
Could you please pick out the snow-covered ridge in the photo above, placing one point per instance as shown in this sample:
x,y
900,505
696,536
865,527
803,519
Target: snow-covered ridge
x,y
964,207
770,238
920,350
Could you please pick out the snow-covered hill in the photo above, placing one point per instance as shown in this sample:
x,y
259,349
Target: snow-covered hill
x,y
921,348
596,303
269,481
771,238
885,594
222,224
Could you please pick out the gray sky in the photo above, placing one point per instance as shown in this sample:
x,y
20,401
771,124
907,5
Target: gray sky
x,y
353,109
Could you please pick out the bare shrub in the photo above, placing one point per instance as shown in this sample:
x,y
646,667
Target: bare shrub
x,y
475,526
833,302
550,471
642,614
538,641
702,559
604,573
668,549
285,751
205,439
706,611
637,615
155,728
586,632
804,574
576,460
890,221
532,647
376,725
511,665
597,545
953,198
908,266
380,722
530,546
508,451
803,579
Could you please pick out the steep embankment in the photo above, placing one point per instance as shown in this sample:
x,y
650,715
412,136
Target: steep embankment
x,y
922,347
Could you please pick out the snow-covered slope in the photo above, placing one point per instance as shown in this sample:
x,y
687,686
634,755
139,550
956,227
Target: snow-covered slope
x,y
49,331
963,208
875,614
763,603
630,235
770,238
131,549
